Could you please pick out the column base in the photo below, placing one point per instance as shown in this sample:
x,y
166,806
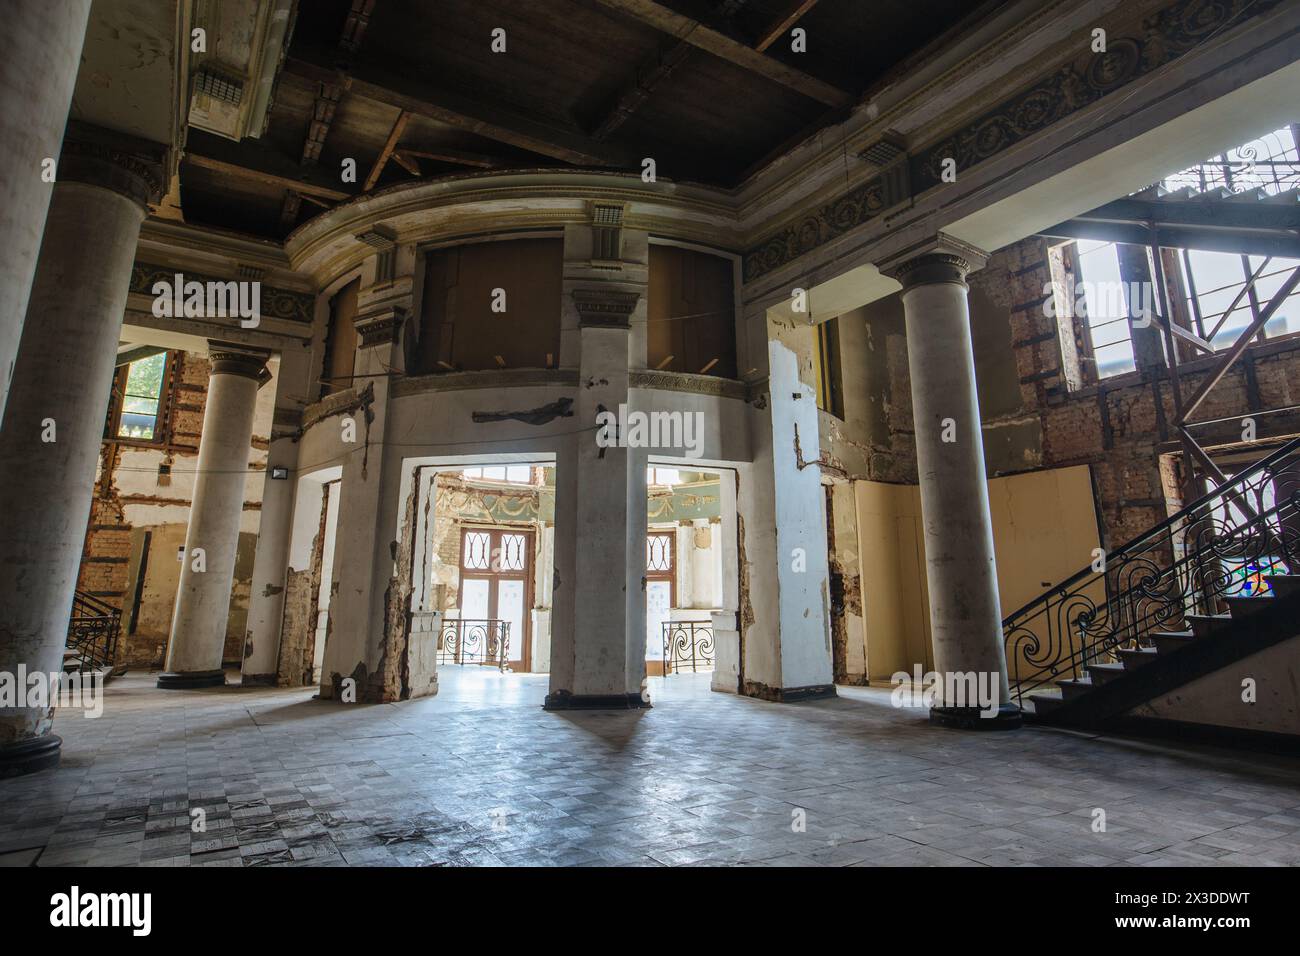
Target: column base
x,y
189,680
258,680
788,695
563,700
30,755
1008,717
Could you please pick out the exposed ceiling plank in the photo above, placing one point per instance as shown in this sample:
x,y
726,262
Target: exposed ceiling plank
x,y
327,101
389,145
407,162
499,123
783,23
458,157
730,49
638,91
254,162
289,209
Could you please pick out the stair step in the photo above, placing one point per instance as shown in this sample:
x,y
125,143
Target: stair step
x,y
1132,657
1169,641
1072,689
1104,673
1240,607
1046,701
1283,585
1203,625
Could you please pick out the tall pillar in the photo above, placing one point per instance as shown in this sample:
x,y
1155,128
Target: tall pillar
x,y
198,635
40,48
965,612
598,640
275,527
49,444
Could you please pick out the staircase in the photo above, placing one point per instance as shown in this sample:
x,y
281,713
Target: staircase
x,y
1207,587
92,635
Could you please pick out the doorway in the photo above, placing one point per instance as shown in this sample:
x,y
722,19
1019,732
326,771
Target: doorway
x,y
495,597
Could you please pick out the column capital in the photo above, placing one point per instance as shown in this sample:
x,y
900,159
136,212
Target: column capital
x,y
941,258
380,327
605,308
127,165
236,360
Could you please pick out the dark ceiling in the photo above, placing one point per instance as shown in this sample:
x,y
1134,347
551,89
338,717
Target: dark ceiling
x,y
590,83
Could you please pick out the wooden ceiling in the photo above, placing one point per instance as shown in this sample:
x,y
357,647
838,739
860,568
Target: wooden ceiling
x,y
710,89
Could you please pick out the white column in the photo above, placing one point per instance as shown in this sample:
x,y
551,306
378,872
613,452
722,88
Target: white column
x,y
598,641
702,561
50,441
965,614
40,49
198,635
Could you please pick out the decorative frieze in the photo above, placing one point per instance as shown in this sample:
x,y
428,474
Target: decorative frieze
x,y
610,308
275,303
687,382
127,165
1157,40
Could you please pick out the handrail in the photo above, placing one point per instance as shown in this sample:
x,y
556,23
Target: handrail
x,y
1155,530
1182,566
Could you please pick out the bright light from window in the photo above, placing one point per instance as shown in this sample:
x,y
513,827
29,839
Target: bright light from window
x,y
1112,343
514,474
663,476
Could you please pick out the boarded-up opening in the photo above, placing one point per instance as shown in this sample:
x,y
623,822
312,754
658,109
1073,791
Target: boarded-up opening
x,y
341,341
492,305
692,312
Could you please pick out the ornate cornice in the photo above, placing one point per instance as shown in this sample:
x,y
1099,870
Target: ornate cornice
x,y
275,303
940,259
605,308
129,166
686,382
1150,44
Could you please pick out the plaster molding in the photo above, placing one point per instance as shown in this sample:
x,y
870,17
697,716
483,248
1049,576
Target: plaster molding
x,y
127,165
493,379
688,382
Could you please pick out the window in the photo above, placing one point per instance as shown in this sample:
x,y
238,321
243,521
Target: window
x,y
514,474
829,388
1215,281
136,410
1106,308
1270,163
666,477
691,312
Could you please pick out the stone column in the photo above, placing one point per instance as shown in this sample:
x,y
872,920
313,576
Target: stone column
x,y
40,48
198,635
50,440
598,641
965,613
702,544
275,527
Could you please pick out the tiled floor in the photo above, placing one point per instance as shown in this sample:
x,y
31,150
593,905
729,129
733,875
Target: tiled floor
x,y
481,775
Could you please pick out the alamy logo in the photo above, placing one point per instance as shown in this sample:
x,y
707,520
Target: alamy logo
x,y
973,689
177,299
40,691
683,431
1101,300
75,909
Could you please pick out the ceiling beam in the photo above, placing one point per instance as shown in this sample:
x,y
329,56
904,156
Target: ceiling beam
x,y
458,157
783,23
638,90
253,161
390,144
730,49
373,81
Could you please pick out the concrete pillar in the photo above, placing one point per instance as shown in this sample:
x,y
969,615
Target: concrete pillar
x,y
59,397
40,48
598,640
275,528
784,621
367,643
198,635
965,614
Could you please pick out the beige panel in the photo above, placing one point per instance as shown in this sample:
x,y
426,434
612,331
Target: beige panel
x,y
1044,530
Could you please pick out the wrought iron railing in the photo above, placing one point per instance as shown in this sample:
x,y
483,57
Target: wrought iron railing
x,y
688,645
92,633
1271,176
475,641
1223,545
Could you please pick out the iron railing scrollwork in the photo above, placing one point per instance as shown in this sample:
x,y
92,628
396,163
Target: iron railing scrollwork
x,y
1223,545
688,645
93,633
475,641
